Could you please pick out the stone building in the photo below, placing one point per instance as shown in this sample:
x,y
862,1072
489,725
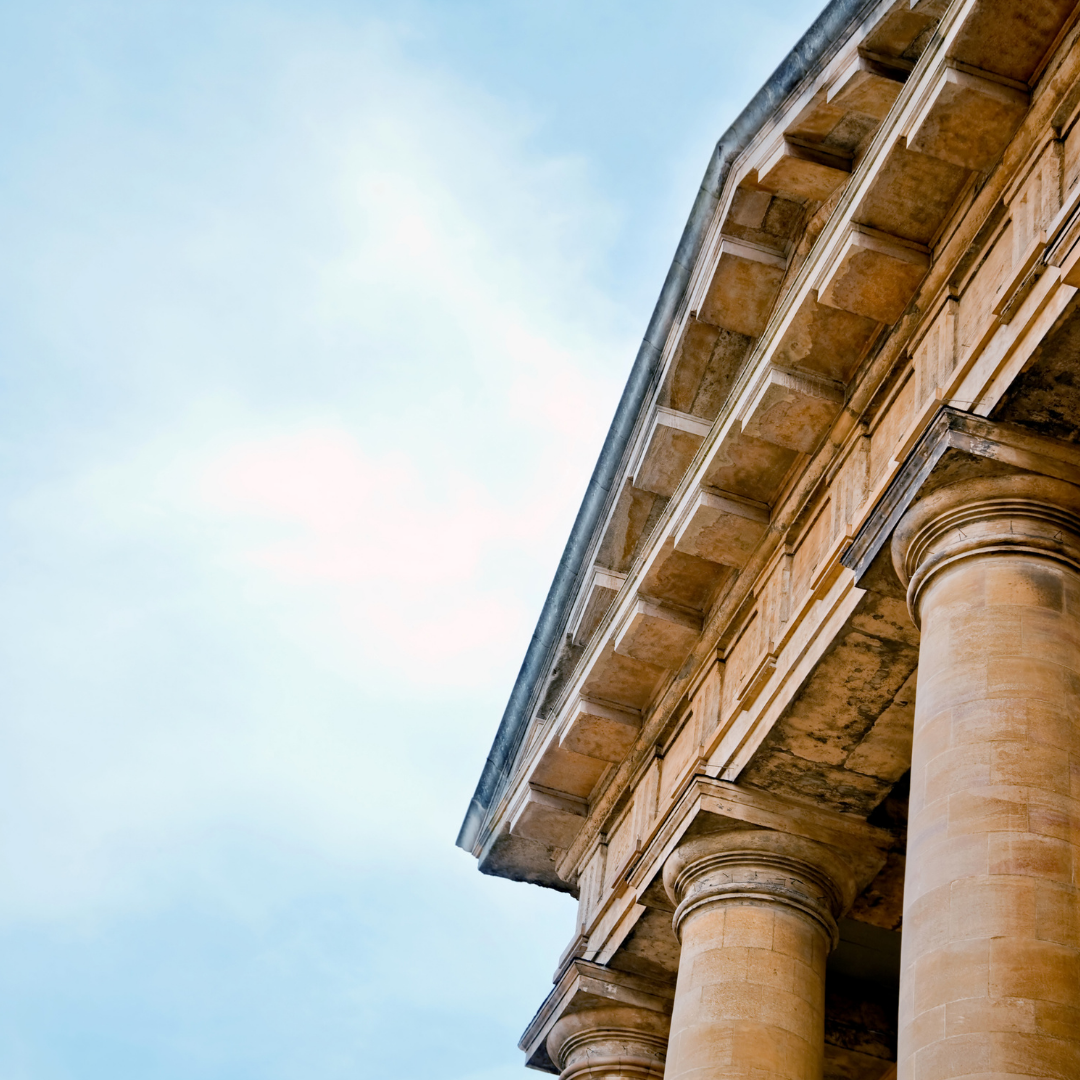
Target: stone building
x,y
799,726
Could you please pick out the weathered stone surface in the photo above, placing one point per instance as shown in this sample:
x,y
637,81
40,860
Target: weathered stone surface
x,y
791,410
601,592
721,528
749,468
743,288
601,731
824,340
968,119
670,447
685,580
632,519
874,276
551,817
658,634
868,86
621,679
911,195
1007,38
706,366
803,171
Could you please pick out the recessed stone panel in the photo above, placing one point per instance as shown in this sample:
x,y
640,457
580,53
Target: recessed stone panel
x,y
911,195
602,590
1008,38
867,86
747,467
806,172
621,679
601,731
550,818
564,771
671,446
824,340
706,365
682,580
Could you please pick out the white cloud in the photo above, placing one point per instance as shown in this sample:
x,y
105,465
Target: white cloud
x,y
273,602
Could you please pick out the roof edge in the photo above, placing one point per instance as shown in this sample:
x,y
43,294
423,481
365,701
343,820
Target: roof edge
x,y
823,34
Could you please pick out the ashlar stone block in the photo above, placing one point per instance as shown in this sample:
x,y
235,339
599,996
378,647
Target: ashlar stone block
x,y
722,528
874,275
791,410
968,119
600,730
658,634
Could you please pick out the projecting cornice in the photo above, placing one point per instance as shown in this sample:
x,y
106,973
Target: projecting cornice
x,y
827,280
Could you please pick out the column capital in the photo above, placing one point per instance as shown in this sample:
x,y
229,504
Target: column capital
x,y
610,1041
1023,513
760,866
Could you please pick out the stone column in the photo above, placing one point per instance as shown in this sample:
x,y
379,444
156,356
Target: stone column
x,y
609,1043
990,983
756,917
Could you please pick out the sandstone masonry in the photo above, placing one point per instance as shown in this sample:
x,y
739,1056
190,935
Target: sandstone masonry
x,y
800,724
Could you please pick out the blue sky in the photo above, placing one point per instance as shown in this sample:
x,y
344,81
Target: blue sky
x,y
312,319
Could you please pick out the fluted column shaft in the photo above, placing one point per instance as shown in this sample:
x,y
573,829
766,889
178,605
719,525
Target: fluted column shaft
x,y
756,918
990,984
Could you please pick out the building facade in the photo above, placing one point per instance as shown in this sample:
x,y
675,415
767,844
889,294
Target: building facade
x,y
799,726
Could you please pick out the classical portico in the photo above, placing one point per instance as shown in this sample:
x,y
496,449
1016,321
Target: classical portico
x,y
798,727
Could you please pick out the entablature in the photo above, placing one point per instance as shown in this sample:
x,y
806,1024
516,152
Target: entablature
x,y
790,397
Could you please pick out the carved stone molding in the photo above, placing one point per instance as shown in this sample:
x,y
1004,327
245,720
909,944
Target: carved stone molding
x,y
636,1009
757,866
955,446
1020,514
610,1043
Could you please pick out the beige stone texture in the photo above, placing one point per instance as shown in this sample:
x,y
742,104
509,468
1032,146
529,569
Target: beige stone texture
x,y
990,982
967,119
721,528
867,87
611,1042
791,410
803,171
756,919
671,446
743,288
601,731
658,634
875,276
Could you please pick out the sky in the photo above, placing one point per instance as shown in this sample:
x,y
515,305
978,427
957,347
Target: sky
x,y
313,317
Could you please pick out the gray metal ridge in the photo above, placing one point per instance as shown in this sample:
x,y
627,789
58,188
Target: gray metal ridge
x,y
825,32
